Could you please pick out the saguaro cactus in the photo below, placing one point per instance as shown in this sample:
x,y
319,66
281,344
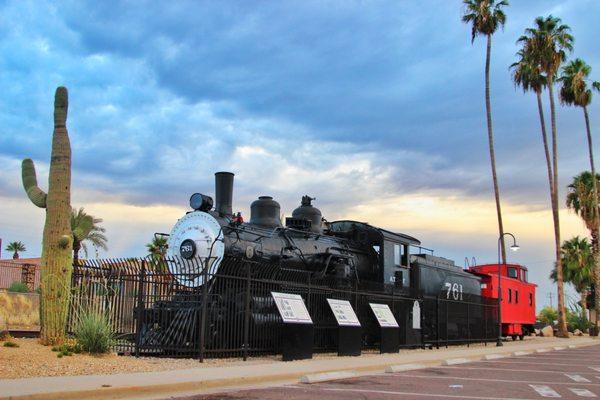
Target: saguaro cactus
x,y
57,253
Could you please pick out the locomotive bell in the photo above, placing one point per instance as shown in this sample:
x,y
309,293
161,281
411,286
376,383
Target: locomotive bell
x,y
265,212
310,213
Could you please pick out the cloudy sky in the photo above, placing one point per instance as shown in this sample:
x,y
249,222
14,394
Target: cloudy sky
x,y
376,108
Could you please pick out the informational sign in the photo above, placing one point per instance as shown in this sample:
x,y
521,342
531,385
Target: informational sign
x,y
291,307
416,315
384,315
343,312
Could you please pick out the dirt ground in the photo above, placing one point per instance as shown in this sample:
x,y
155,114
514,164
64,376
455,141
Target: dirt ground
x,y
31,359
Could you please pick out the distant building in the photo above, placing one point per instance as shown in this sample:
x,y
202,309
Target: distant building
x,y
25,270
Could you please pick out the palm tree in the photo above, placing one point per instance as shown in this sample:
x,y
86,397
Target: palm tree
x,y
157,250
575,92
16,247
580,198
546,44
86,229
528,75
485,17
578,266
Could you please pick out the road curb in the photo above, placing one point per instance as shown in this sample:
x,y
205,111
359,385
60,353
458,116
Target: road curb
x,y
456,361
521,353
493,356
327,376
543,350
405,367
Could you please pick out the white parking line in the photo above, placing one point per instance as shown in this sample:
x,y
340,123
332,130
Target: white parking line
x,y
529,362
518,370
582,392
449,396
465,378
577,378
545,391
597,369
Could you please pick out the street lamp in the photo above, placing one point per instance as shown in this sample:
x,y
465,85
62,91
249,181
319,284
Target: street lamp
x,y
514,247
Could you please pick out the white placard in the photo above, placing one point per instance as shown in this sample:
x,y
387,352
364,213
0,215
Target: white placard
x,y
416,315
384,315
291,307
344,314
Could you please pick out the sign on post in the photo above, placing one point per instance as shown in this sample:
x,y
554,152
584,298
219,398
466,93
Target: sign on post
x,y
291,308
343,312
384,315
416,315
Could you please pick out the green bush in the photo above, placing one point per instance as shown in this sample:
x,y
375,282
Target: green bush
x,y
93,332
18,287
548,315
577,320
10,344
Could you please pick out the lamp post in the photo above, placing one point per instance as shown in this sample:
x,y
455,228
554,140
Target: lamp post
x,y
514,247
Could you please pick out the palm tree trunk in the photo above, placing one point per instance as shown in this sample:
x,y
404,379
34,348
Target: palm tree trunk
x,y
76,249
15,255
488,109
545,142
595,247
562,320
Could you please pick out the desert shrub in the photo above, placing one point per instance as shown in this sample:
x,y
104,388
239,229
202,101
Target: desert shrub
x,y
548,315
93,332
18,287
577,320
10,344
67,349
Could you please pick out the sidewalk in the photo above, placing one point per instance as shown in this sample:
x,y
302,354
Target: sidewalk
x,y
176,382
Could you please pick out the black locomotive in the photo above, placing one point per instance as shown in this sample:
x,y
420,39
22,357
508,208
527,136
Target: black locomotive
x,y
346,254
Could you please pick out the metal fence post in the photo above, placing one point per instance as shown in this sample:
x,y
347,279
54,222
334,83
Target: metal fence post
x,y
247,312
140,309
437,322
468,327
203,316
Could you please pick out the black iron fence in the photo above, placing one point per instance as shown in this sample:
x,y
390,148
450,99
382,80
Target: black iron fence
x,y
163,308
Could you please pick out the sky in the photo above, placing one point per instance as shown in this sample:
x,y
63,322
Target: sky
x,y
376,108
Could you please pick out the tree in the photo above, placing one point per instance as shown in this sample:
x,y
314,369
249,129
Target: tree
x,y
578,266
16,247
157,250
575,92
528,75
93,234
546,44
580,198
485,17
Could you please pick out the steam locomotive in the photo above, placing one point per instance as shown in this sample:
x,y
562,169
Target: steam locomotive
x,y
345,251
346,254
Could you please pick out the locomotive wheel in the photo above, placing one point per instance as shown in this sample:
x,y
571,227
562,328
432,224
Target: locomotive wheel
x,y
521,337
514,338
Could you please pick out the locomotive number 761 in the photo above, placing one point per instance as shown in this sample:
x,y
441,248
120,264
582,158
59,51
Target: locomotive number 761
x,y
454,289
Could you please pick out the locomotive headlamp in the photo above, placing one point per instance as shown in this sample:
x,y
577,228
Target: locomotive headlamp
x,y
201,202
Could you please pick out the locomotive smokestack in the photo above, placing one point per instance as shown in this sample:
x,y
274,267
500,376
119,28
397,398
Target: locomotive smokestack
x,y
223,193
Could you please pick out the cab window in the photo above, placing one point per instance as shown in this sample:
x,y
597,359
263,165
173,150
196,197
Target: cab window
x,y
513,273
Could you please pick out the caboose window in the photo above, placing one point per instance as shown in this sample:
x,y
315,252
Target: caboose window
x,y
510,295
512,273
530,299
517,296
525,277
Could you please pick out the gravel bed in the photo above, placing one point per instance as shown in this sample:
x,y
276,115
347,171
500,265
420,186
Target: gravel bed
x,y
31,359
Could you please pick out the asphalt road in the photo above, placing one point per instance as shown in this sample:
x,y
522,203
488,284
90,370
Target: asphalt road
x,y
566,374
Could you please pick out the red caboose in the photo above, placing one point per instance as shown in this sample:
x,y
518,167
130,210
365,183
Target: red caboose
x,y
518,296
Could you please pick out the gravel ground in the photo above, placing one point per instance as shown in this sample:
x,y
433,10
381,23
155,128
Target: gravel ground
x,y
31,359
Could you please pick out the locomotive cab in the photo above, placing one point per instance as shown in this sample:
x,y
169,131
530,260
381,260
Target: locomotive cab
x,y
392,251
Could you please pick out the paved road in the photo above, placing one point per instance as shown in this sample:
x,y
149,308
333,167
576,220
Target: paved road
x,y
566,374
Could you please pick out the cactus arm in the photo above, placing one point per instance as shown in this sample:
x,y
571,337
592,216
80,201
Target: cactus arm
x,y
35,194
84,228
